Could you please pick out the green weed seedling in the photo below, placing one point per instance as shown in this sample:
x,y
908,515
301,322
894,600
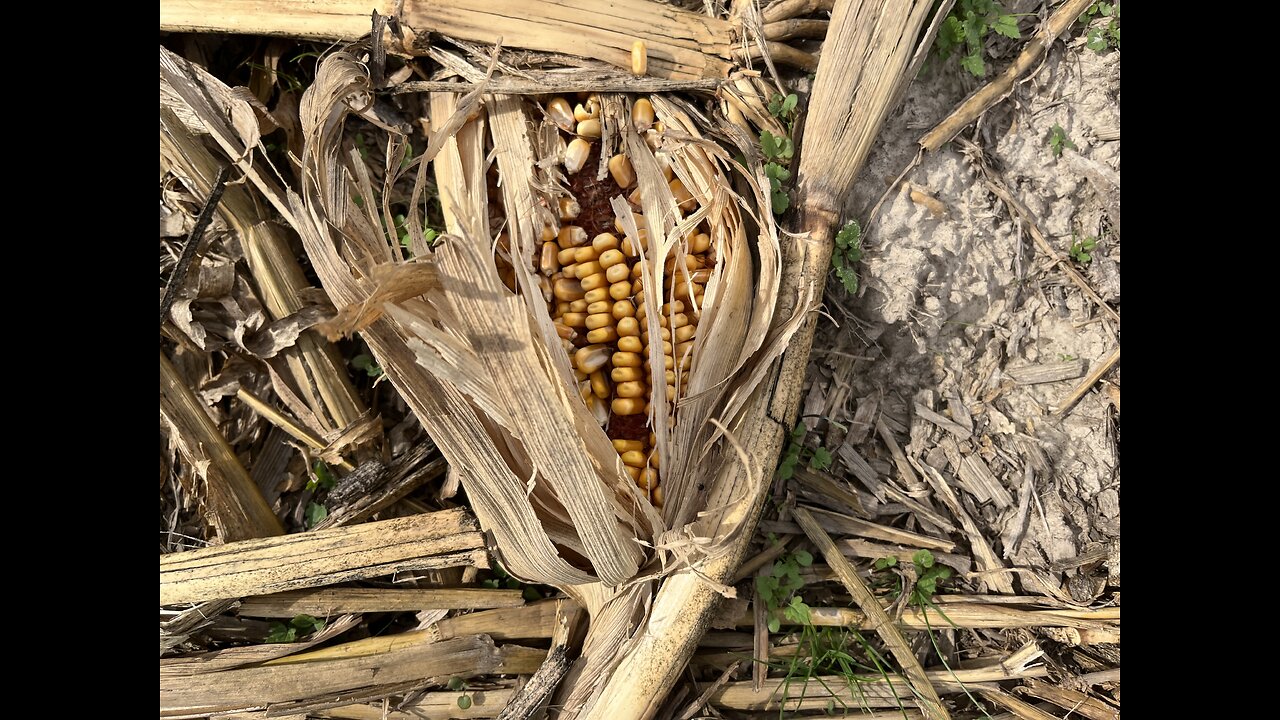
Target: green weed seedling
x,y
1082,249
847,253
365,362
457,684
965,31
314,513
323,477
286,633
1058,140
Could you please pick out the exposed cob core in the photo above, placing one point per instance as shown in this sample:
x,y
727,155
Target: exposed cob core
x,y
591,272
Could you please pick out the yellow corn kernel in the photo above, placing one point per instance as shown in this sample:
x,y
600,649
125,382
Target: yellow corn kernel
x,y
626,374
548,263
656,495
630,344
626,359
628,327
575,155
561,114
639,58
566,255
595,282
604,242
621,170
603,306
628,406
571,236
591,358
700,243
589,128
567,290
633,458
623,309
587,269
634,472
585,253
684,198
596,295
641,114
648,479
627,445
609,258
685,333
602,335
619,290
600,385
578,306
583,112
595,322
569,208
574,319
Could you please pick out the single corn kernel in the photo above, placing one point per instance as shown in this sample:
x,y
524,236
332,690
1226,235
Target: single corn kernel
x,y
628,406
561,114
634,458
641,114
575,155
684,198
621,170
626,359
548,263
622,309
600,385
648,479
627,445
567,256
630,344
569,208
617,273
602,335
628,327
626,374
700,243
639,58
591,358
605,242
567,290
571,236
595,282
603,306
587,269
596,295
586,112
574,319
589,129
578,306
620,290
585,253
597,321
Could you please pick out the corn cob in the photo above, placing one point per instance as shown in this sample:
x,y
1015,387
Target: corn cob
x,y
591,275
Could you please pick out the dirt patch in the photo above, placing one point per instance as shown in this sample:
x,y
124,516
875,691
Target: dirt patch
x,y
960,309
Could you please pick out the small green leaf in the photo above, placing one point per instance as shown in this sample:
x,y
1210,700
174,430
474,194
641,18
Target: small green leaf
x,y
531,594
789,105
821,459
974,64
1007,25
769,144
774,624
464,702
314,513
923,558
780,202
1096,42
803,557
787,468
456,683
278,632
324,476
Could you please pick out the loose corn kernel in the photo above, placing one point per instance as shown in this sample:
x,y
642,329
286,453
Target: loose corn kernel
x,y
589,129
548,263
569,208
571,236
641,114
561,114
621,170
639,58
575,155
